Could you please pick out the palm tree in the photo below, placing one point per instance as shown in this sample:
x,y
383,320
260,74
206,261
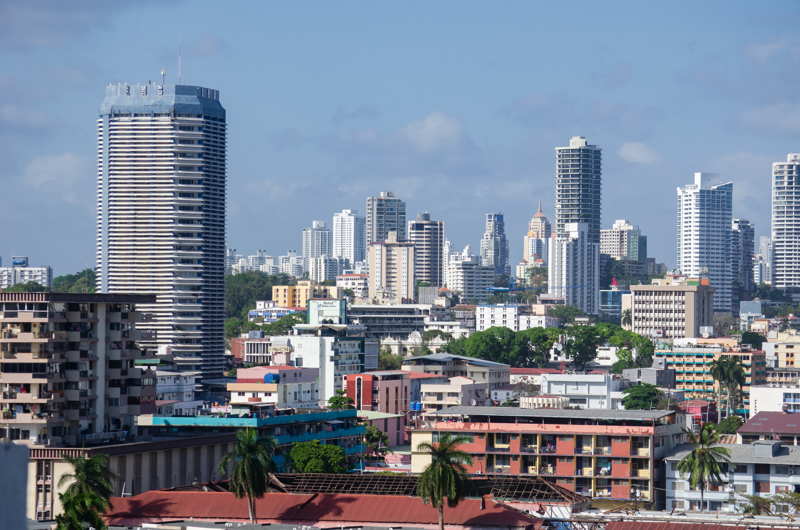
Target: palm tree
x,y
756,505
703,464
376,441
444,478
625,320
251,462
730,375
88,492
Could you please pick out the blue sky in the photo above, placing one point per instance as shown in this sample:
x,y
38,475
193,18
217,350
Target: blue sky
x,y
454,106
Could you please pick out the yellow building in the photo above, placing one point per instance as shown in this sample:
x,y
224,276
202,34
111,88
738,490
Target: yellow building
x,y
299,295
786,349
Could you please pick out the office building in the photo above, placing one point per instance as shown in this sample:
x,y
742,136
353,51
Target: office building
x,y
391,271
611,454
384,321
786,222
704,223
611,302
585,391
537,239
578,186
573,271
762,266
317,240
67,375
348,236
670,307
494,245
20,271
385,213
298,295
624,241
742,258
428,239
161,214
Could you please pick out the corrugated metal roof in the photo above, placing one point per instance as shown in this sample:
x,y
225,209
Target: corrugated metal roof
x,y
772,422
604,414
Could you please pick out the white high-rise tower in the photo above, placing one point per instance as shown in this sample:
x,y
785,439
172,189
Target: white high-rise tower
x,y
348,236
786,222
161,214
704,235
317,240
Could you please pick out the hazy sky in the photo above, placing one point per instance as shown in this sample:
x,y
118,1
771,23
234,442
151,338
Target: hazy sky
x,y
454,106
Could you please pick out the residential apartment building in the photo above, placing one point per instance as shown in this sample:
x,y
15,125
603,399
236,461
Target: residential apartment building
x,y
325,268
172,385
494,245
578,187
457,391
381,390
516,317
268,311
671,307
392,276
771,398
585,391
742,257
427,236
785,349
253,348
385,213
358,283
348,236
20,271
470,279
536,242
704,219
67,374
770,425
574,268
383,321
161,172
281,387
623,241
762,468
449,365
297,296
607,454
785,230
317,240
692,365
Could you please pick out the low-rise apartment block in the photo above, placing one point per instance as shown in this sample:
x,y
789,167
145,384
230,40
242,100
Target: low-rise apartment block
x,y
612,454
585,391
457,391
381,390
268,311
357,283
768,425
281,387
297,296
449,365
774,399
67,374
671,307
516,317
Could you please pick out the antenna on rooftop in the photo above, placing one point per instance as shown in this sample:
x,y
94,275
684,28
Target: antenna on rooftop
x,y
163,76
180,66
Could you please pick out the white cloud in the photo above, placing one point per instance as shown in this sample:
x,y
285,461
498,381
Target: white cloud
x,y
435,132
638,153
776,117
60,176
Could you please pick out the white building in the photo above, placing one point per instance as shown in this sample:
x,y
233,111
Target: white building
x,y
317,240
391,271
348,236
324,268
176,386
358,283
21,272
457,391
623,241
536,241
704,218
573,271
283,387
786,222
428,238
161,175
466,276
494,245
292,264
774,399
515,317
585,391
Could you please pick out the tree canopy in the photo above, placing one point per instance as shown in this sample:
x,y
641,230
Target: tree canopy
x,y
566,313
643,396
80,282
235,326
753,339
314,457
340,401
27,287
242,290
530,347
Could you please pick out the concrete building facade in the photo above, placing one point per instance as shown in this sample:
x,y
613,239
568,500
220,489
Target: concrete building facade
x,y
427,236
348,236
785,231
574,268
671,307
392,278
578,187
385,213
317,240
494,245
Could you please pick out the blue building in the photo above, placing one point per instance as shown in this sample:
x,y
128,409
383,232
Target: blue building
x,y
611,303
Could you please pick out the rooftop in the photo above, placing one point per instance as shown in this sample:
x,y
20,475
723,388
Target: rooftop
x,y
377,415
784,454
447,357
514,412
771,422
116,298
534,371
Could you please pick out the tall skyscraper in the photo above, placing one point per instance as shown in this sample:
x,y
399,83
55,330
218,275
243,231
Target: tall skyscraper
x,y
161,214
786,222
317,240
391,271
578,186
536,241
573,272
494,245
348,236
623,241
428,238
742,256
385,213
704,235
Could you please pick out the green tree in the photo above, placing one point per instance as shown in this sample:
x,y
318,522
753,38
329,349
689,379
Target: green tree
x,y
376,442
626,319
729,425
756,504
566,313
27,287
703,464
643,396
86,497
624,361
80,282
727,370
444,480
314,457
753,339
242,291
580,345
250,462
389,361
283,325
340,401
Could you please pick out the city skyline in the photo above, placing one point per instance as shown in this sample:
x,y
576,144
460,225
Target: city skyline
x,y
412,127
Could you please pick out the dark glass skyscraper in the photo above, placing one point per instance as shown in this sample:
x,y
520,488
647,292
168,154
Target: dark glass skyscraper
x,y
578,186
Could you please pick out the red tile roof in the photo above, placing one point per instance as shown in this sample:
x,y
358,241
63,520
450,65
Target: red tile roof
x,y
289,508
772,422
421,375
535,371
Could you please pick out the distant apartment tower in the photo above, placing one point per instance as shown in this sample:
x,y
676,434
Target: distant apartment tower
x,y
704,235
672,307
742,255
786,222
428,238
578,186
161,213
466,276
391,271
20,271
494,245
536,242
348,236
623,241
67,374
317,240
385,213
573,270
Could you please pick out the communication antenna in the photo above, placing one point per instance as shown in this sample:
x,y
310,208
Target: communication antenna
x,y
163,76
180,66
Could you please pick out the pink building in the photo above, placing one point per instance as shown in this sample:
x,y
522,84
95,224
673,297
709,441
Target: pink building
x,y
387,392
